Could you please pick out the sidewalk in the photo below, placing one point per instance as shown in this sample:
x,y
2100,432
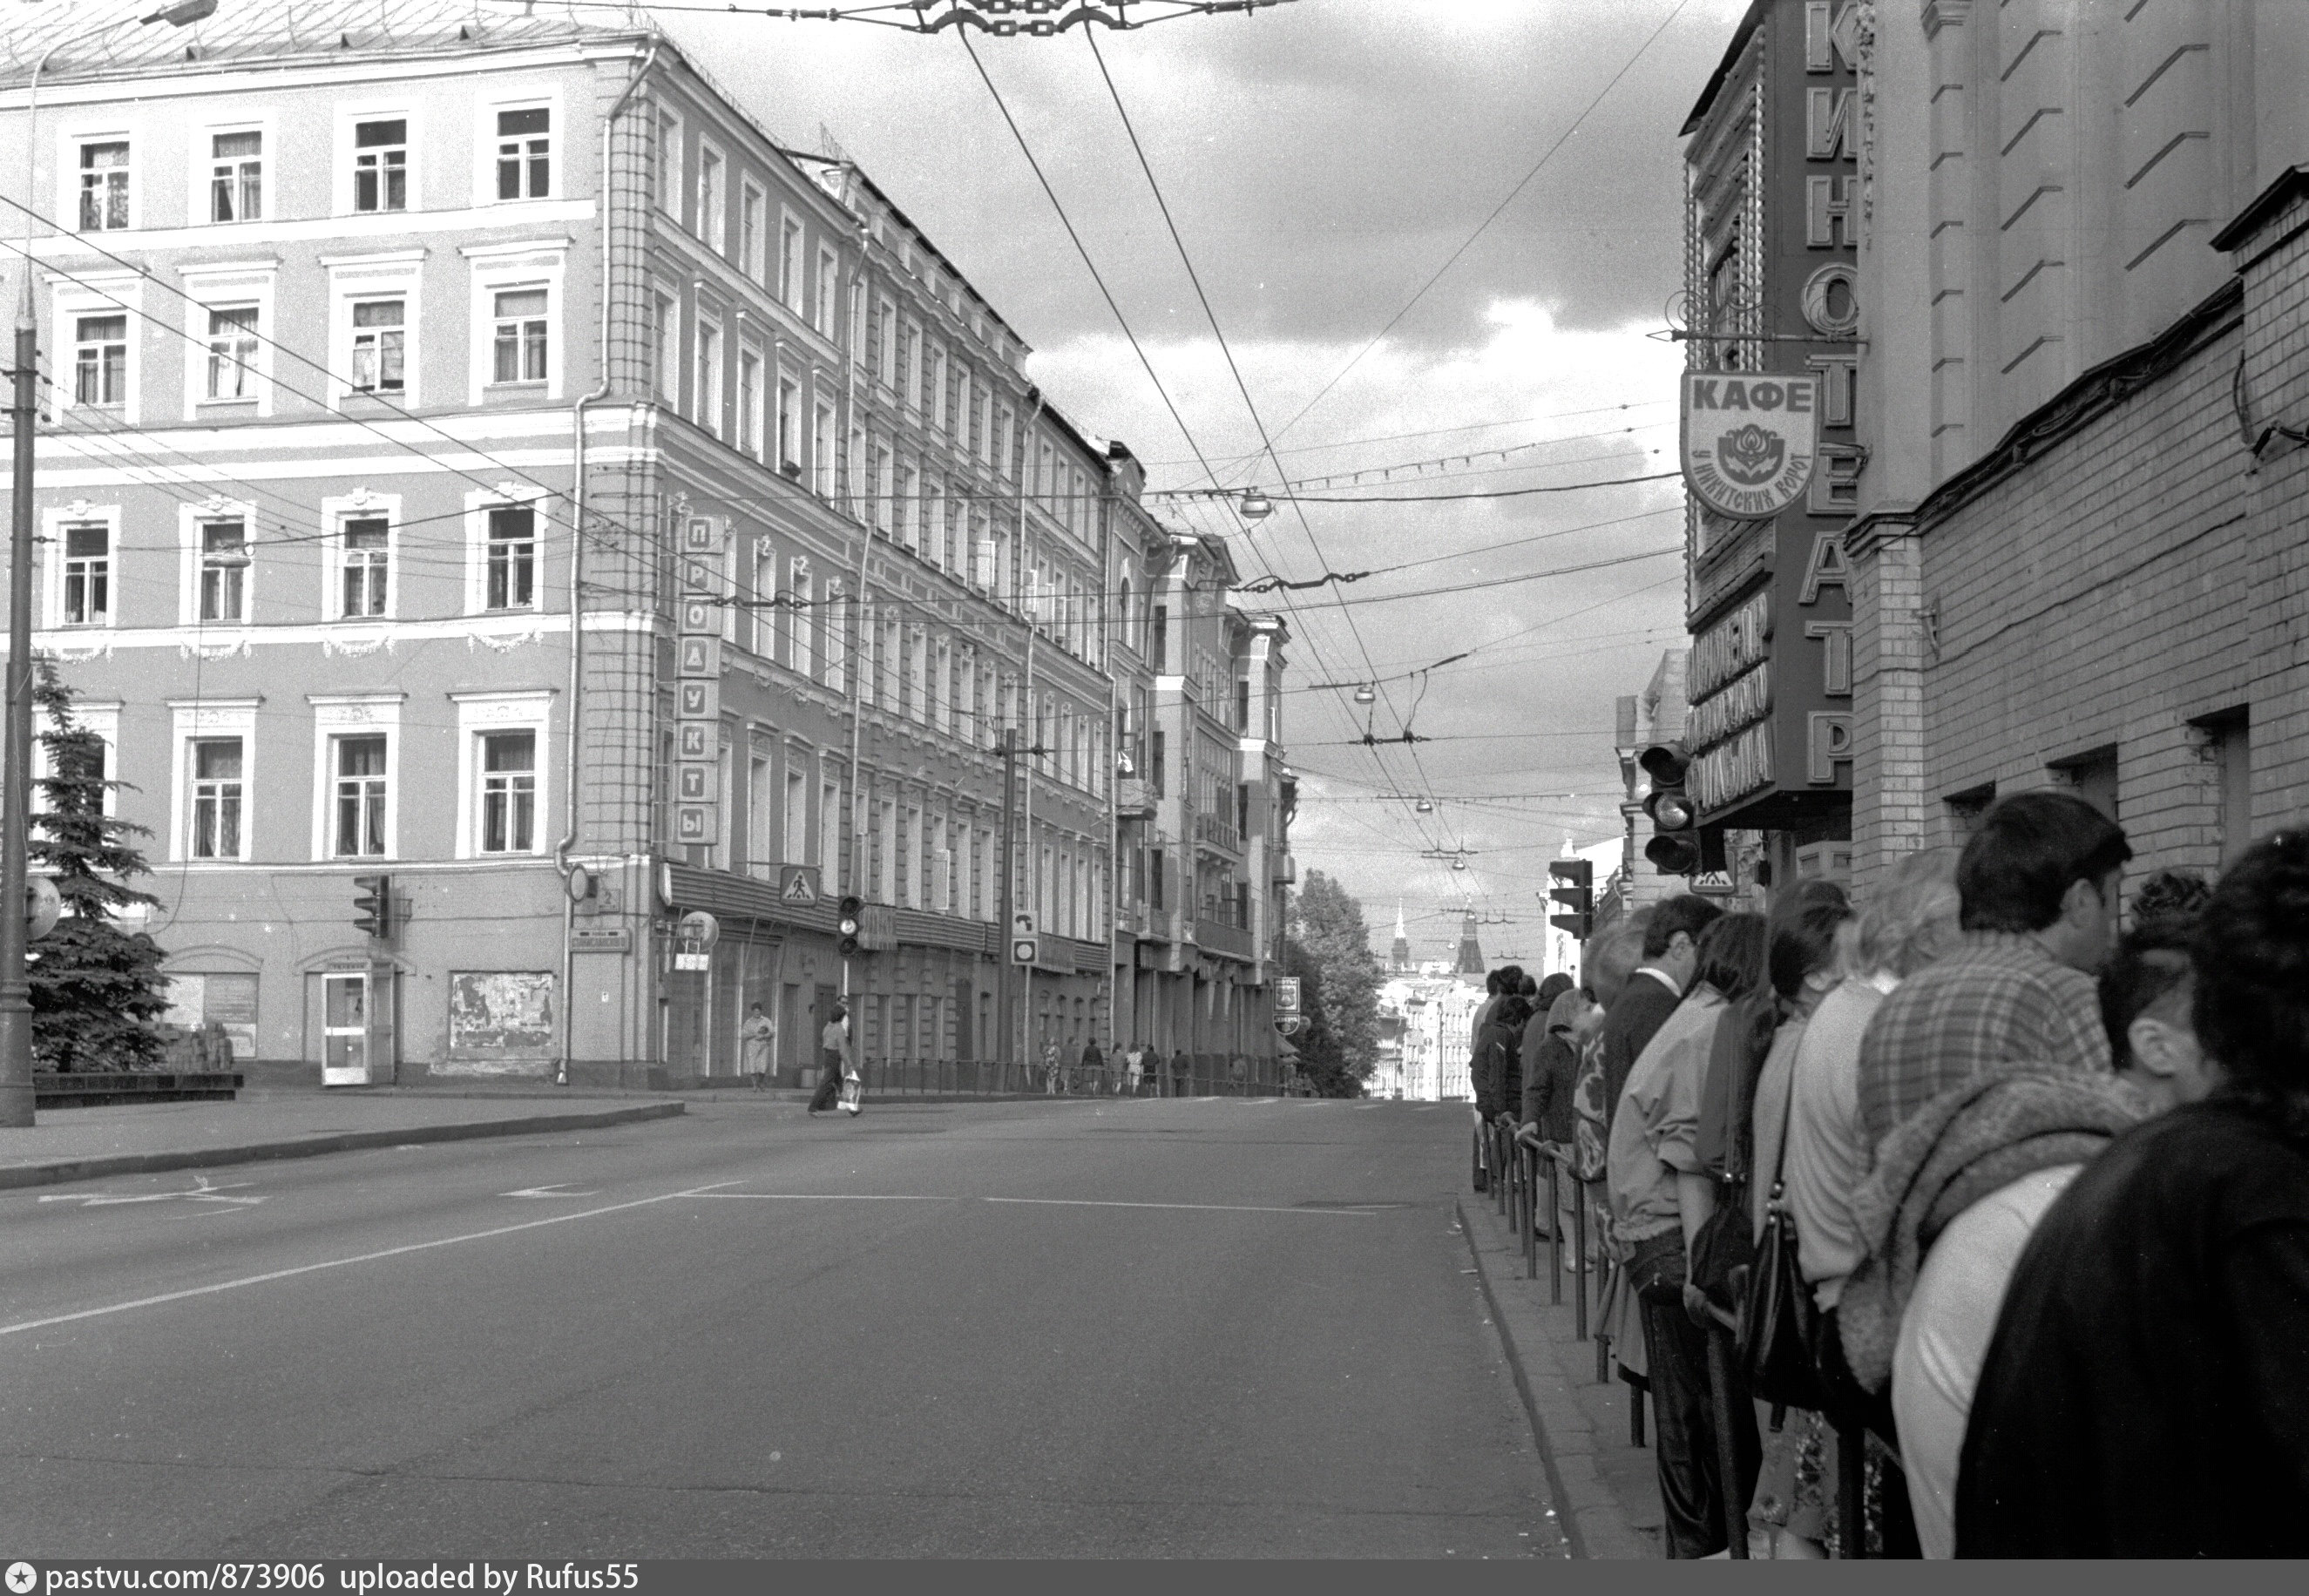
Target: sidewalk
x,y
1607,1489
135,1138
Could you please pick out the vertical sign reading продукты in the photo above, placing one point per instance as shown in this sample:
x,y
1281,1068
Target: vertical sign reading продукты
x,y
697,687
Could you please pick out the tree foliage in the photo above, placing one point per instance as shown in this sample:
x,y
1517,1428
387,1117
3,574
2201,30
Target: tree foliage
x,y
1328,946
98,993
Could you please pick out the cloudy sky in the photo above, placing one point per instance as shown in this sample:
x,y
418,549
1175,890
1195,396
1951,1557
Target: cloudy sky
x,y
1322,161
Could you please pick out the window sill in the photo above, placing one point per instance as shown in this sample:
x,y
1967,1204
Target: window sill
x,y
539,388
359,399
229,406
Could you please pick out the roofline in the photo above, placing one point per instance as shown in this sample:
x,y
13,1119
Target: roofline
x,y
1740,36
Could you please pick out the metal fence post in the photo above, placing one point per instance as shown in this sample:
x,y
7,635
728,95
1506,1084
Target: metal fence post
x,y
1554,1231
1579,1254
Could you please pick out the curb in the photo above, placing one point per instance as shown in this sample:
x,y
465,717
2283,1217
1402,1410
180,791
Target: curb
x,y
209,1158
1595,1524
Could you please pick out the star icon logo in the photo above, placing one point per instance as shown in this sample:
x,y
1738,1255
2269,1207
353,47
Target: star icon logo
x,y
22,1578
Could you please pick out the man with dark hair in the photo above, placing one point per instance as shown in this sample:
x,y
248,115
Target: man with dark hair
x,y
2007,1153
1670,953
2038,888
2147,1393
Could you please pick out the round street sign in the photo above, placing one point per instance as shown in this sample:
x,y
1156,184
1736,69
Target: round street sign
x,y
43,907
700,928
1288,1026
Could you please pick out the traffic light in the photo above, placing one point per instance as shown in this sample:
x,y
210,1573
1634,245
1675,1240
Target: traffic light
x,y
853,910
373,905
1575,880
1674,847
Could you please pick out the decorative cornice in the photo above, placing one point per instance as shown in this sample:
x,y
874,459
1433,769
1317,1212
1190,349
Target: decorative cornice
x,y
2086,400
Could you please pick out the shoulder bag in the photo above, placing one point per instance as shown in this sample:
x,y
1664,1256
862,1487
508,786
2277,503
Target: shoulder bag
x,y
1779,1323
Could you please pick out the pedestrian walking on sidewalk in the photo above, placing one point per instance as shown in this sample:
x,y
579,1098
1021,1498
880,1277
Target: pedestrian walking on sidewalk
x,y
1134,1066
760,1035
835,1066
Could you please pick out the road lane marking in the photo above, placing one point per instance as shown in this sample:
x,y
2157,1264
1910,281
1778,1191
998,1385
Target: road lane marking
x,y
1195,1207
390,1252
824,1197
548,1191
206,1191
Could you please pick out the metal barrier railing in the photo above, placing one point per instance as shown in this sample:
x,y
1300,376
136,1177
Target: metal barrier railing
x,y
951,1077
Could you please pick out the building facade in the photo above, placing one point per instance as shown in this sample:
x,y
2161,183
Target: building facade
x,y
381,345
2068,559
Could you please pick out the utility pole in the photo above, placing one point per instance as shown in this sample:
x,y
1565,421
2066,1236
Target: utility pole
x,y
15,812
1007,740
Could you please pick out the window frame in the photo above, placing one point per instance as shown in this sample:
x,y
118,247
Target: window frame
x,y
334,512
524,265
708,353
670,179
711,204
752,224
486,139
792,288
57,525
337,717
77,144
193,522
344,182
751,411
479,504
487,713
200,169
356,280
195,720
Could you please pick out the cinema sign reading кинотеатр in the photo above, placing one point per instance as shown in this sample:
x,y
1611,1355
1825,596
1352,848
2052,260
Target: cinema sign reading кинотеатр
x,y
1749,441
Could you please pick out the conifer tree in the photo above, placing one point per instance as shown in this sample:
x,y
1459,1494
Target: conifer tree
x,y
98,992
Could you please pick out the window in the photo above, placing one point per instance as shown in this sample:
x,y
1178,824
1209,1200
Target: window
x,y
669,163
232,352
360,791
377,346
216,797
521,336
236,176
88,575
104,186
511,579
100,360
525,153
789,459
365,552
224,570
797,814
508,791
934,384
821,449
750,401
708,390
828,277
664,330
709,195
380,165
790,263
750,231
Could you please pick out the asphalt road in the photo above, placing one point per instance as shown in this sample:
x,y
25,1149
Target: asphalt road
x,y
1129,1329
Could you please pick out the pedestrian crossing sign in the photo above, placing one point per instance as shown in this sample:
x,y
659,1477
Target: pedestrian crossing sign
x,y
797,886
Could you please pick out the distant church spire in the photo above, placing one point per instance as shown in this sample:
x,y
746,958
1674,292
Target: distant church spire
x,y
1471,951
1398,959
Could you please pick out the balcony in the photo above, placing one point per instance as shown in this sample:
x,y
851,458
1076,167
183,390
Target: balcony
x,y
1134,797
1214,830
1234,941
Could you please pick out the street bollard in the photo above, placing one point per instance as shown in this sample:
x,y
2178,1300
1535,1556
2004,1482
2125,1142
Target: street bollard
x,y
1579,1256
1554,1231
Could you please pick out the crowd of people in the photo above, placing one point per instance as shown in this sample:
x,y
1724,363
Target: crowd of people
x,y
1969,1218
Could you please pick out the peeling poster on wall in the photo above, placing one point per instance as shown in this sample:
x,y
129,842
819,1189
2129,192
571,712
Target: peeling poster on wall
x,y
500,1014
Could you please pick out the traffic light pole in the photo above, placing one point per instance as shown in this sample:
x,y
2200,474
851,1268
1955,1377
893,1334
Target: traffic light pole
x,y
1007,739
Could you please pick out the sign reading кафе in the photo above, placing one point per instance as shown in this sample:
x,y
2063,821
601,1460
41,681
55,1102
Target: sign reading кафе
x,y
1769,457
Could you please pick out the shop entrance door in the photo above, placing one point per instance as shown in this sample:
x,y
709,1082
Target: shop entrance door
x,y
344,1029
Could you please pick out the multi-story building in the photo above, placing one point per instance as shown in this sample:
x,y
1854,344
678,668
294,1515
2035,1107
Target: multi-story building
x,y
2072,566
1210,800
381,342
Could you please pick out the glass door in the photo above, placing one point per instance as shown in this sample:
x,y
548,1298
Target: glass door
x,y
344,1029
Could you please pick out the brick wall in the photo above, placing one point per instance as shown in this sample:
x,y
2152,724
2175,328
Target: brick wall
x,y
2102,596
1889,807
2274,386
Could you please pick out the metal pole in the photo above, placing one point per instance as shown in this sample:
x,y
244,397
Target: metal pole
x,y
15,814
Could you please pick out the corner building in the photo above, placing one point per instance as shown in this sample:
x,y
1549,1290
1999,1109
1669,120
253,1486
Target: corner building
x,y
381,343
